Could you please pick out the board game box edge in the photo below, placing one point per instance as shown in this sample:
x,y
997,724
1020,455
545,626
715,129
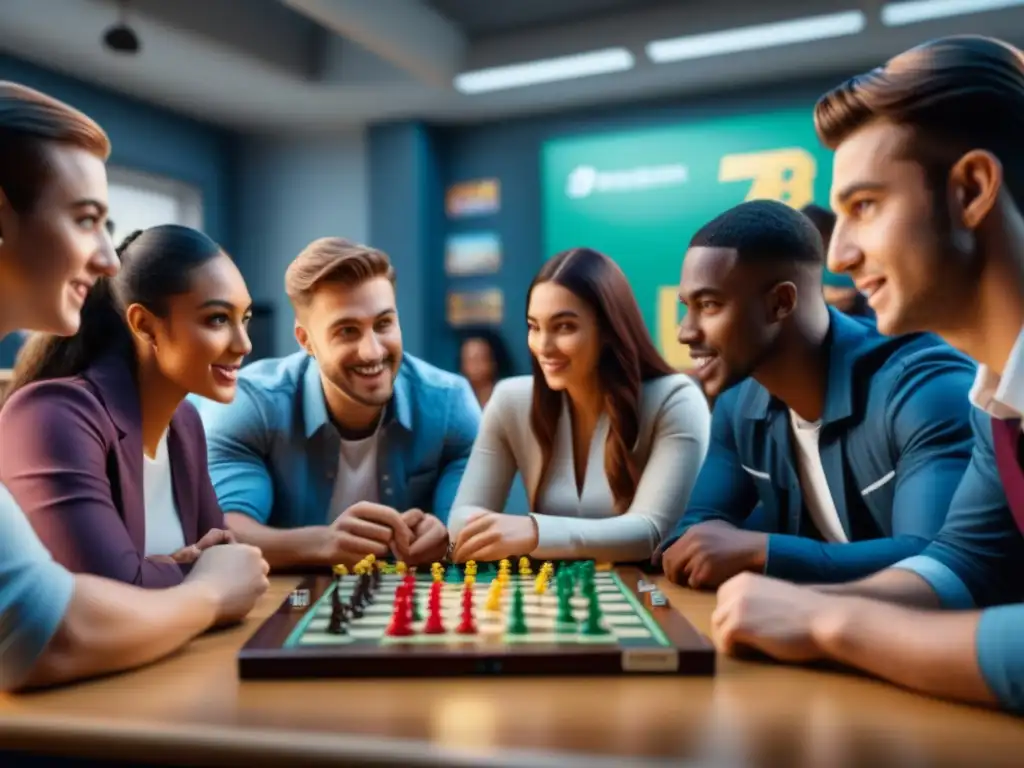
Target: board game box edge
x,y
263,656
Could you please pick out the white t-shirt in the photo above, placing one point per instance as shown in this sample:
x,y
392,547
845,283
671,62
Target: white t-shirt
x,y
357,475
817,495
164,535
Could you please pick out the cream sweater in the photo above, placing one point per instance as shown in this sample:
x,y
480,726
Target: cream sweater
x,y
675,425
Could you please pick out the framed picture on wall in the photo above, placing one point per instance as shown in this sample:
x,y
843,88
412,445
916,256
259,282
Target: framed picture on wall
x,y
472,253
484,307
473,198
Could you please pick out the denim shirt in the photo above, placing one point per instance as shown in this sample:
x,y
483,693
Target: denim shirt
x,y
273,451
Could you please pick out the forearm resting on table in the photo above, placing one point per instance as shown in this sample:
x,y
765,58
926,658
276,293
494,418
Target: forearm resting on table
x,y
281,547
928,651
893,585
110,626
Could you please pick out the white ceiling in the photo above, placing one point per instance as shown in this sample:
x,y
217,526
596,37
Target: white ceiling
x,y
287,66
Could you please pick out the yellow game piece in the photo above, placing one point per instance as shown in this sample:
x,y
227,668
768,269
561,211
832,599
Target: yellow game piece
x,y
502,578
540,586
493,602
369,559
400,568
340,570
504,565
469,580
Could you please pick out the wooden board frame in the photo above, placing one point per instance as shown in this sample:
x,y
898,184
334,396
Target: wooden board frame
x,y
264,656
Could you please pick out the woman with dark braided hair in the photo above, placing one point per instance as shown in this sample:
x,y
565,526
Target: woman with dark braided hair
x,y
111,465
607,436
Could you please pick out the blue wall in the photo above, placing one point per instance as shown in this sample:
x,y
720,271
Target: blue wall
x,y
509,150
149,139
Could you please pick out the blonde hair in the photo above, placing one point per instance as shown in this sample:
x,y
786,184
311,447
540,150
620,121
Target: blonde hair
x,y
333,260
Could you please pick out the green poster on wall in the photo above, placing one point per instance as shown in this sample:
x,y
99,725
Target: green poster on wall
x,y
639,196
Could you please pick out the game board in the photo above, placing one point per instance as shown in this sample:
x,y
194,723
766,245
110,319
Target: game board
x,y
615,627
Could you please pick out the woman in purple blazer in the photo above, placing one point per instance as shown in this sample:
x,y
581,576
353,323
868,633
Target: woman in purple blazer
x,y
101,449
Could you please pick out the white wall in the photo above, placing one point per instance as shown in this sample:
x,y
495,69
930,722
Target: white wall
x,y
290,192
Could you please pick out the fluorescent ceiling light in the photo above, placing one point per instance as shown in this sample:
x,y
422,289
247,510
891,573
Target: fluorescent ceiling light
x,y
757,36
898,14
545,71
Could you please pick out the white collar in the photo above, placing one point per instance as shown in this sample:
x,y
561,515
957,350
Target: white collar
x,y
1002,396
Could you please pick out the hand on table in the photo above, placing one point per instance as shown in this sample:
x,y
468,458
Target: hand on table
x,y
710,553
365,529
188,555
429,538
493,536
774,617
235,574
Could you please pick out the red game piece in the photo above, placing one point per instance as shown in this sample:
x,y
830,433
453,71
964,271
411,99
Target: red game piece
x,y
401,619
434,625
467,626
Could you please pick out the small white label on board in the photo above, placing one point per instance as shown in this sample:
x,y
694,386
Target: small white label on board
x,y
649,660
645,586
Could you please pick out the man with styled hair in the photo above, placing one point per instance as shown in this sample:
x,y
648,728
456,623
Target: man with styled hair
x,y
350,446
927,183
56,626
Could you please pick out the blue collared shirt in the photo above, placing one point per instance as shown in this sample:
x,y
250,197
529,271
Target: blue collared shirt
x,y
274,451
978,558
895,441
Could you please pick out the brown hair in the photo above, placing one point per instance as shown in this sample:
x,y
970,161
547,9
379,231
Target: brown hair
x,y
28,120
628,358
333,260
956,94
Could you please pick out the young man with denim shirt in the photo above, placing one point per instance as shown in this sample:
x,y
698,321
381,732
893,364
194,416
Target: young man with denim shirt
x,y
927,182
850,443
351,446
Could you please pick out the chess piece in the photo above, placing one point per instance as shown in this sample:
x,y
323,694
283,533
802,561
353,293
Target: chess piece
x,y
593,625
517,614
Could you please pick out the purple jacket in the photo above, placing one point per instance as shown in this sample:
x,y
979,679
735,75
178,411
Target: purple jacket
x,y
71,455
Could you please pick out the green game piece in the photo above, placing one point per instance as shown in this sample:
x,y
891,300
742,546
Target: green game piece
x,y
592,624
565,620
454,574
517,615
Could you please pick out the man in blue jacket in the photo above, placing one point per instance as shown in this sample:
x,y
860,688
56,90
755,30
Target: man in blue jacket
x,y
927,184
852,443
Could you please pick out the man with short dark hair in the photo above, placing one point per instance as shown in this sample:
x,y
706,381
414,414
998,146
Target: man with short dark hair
x,y
851,443
351,446
927,180
56,626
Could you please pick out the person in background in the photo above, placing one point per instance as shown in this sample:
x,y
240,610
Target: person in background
x,y
851,443
484,360
839,290
60,626
111,460
607,436
927,182
350,446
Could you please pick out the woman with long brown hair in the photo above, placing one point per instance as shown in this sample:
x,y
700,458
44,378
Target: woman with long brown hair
x,y
607,436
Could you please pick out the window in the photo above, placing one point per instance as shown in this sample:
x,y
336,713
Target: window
x,y
140,200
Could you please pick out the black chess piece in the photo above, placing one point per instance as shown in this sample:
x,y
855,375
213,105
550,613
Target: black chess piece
x,y
366,592
338,625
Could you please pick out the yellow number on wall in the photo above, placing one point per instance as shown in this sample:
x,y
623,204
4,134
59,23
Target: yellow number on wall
x,y
786,175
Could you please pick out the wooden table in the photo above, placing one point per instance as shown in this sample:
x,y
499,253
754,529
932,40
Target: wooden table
x,y
192,709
